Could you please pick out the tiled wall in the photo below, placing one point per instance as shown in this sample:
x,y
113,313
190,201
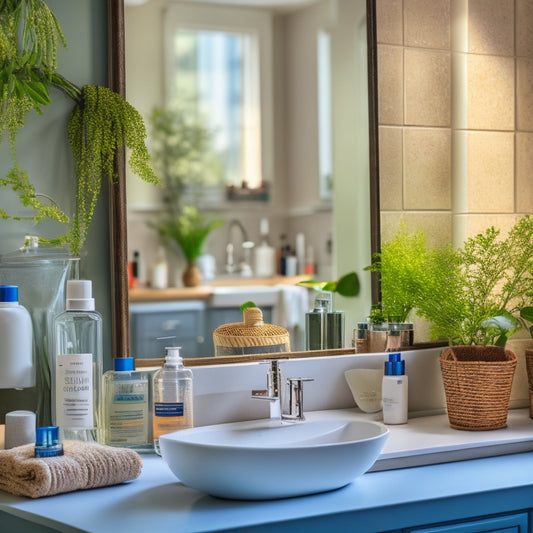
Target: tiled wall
x,y
455,115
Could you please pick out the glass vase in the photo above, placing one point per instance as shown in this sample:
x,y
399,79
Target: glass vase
x,y
41,273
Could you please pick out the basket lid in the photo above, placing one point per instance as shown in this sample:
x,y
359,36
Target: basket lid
x,y
251,332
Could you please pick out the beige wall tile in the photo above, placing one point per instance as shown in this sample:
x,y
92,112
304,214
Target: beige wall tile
x,y
389,21
524,97
490,172
427,23
524,172
491,27
491,92
390,168
524,28
437,226
465,226
390,88
427,87
427,156
471,225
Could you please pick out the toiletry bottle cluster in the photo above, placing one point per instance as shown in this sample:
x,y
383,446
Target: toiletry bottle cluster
x,y
131,403
297,259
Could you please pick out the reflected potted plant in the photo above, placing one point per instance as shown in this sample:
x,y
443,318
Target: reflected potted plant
x,y
189,230
183,155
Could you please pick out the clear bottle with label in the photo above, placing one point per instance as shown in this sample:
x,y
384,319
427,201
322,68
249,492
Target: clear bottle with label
x,y
172,390
394,391
125,413
77,368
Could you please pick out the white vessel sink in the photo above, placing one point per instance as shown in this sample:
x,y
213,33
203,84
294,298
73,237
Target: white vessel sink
x,y
264,459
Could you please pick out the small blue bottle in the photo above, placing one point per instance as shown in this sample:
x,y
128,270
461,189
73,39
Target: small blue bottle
x,y
47,442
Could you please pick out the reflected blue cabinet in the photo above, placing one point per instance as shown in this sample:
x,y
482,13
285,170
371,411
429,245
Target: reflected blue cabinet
x,y
156,325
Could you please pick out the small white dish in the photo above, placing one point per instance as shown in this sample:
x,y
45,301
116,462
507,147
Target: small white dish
x,y
365,384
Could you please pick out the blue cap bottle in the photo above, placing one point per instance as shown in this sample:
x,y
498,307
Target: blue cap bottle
x,y
395,366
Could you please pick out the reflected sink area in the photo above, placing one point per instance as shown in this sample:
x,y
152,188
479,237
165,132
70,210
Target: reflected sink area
x,y
232,296
265,459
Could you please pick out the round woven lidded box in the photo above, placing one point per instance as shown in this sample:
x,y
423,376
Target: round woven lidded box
x,y
252,336
477,382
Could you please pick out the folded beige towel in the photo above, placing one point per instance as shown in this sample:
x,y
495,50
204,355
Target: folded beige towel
x,y
84,465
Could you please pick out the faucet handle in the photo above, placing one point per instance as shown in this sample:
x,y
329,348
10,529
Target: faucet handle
x,y
296,398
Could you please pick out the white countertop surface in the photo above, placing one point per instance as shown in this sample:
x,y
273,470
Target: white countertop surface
x,y
158,501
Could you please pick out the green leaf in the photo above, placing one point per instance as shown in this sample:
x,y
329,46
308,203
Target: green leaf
x,y
246,305
501,340
348,285
527,313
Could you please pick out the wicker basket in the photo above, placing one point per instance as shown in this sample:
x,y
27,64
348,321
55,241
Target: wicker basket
x,y
477,383
252,336
529,366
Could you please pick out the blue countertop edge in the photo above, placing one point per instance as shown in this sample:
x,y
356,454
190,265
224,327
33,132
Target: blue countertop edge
x,y
377,501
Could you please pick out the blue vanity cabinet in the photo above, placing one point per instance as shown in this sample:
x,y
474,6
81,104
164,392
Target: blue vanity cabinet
x,y
155,325
511,523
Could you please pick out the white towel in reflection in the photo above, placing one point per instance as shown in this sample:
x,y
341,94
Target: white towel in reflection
x,y
293,303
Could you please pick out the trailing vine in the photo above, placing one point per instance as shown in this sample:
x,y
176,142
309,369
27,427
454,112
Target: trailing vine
x,y
101,123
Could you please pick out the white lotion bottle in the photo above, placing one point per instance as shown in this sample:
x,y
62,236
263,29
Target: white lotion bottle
x,y
394,391
77,369
17,370
264,254
173,400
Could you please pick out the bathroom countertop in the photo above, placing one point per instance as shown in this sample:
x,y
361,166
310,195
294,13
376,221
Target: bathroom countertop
x,y
202,292
410,496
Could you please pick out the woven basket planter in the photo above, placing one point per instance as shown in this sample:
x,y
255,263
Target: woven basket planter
x,y
477,383
529,366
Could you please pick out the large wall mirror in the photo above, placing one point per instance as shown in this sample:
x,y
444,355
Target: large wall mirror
x,y
333,38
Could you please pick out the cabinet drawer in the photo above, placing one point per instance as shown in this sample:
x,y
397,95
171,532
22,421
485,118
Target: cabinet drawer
x,y
514,523
156,326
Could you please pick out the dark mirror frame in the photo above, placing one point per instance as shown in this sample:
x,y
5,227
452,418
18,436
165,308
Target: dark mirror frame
x,y
118,205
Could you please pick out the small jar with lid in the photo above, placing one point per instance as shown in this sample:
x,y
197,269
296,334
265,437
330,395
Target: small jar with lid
x,y
252,336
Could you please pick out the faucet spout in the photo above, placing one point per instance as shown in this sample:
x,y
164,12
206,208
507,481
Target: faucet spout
x,y
273,394
233,264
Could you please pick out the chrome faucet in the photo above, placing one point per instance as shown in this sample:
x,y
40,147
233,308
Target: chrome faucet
x,y
232,263
291,410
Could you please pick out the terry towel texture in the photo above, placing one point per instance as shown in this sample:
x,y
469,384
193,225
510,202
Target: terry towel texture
x,y
84,465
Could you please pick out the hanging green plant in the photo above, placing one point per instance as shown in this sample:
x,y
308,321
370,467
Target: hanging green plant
x,y
101,124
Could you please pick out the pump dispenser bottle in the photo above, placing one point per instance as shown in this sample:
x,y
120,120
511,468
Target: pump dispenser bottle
x,y
394,391
77,369
172,389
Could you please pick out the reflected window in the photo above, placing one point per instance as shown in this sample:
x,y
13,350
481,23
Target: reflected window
x,y
325,146
214,72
